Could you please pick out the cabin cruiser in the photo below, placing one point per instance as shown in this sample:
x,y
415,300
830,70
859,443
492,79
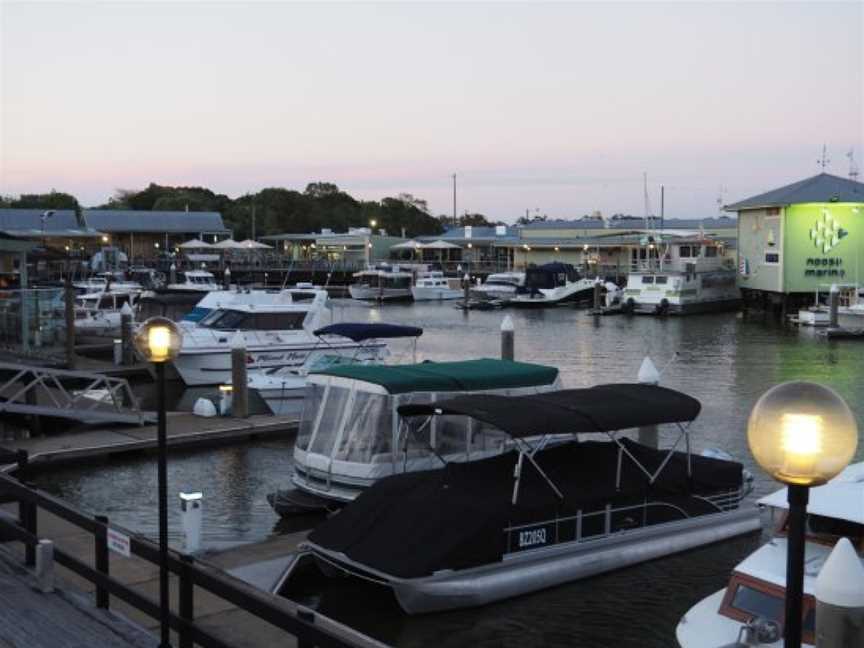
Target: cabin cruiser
x,y
539,515
99,313
752,604
284,389
382,283
251,296
850,309
194,281
680,276
107,281
276,334
500,285
350,435
552,284
434,286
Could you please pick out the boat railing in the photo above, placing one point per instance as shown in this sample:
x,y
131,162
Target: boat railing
x,y
615,520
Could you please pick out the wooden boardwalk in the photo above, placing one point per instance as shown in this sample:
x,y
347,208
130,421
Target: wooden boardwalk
x,y
61,619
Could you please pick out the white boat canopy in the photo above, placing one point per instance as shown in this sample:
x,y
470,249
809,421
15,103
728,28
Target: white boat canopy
x,y
195,244
841,498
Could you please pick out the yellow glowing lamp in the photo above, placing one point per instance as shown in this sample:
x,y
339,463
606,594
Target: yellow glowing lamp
x,y
802,433
158,339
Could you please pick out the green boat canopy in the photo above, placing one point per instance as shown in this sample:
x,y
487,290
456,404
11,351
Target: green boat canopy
x,y
468,375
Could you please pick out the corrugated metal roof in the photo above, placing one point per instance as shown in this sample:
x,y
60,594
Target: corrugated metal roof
x,y
31,219
634,223
129,220
820,188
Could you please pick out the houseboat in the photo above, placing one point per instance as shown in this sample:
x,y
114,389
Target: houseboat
x,y
382,283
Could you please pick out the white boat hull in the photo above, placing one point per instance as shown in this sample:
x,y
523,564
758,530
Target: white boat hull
x,y
373,293
435,293
572,293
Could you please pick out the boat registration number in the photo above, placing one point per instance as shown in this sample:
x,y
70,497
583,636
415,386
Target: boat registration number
x,y
523,539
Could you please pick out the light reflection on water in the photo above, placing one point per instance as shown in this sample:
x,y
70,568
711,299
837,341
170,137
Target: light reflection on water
x,y
726,361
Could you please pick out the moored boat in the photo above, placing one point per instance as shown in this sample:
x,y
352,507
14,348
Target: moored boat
x,y
434,286
539,515
751,606
553,284
382,283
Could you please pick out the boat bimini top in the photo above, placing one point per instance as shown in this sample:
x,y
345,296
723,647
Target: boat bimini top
x,y
606,409
360,331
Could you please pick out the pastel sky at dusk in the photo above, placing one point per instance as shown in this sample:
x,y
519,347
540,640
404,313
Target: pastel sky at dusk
x,y
558,107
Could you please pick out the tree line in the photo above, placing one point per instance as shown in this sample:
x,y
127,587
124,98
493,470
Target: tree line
x,y
274,210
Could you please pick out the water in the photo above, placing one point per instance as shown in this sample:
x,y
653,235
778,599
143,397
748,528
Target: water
x,y
726,361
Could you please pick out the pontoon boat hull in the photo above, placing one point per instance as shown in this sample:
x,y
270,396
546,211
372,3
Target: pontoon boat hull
x,y
539,569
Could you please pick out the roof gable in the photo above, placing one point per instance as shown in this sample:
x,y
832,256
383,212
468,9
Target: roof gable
x,y
819,188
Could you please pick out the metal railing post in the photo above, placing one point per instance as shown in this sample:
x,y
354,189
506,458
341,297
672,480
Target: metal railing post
x,y
26,509
101,560
187,599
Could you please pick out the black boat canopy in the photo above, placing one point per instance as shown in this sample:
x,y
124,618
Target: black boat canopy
x,y
359,331
603,408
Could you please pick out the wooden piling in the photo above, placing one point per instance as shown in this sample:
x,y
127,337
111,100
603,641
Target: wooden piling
x,y
126,335
466,286
833,305
508,342
239,383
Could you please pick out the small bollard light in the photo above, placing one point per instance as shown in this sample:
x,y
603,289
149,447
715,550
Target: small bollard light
x,y
191,515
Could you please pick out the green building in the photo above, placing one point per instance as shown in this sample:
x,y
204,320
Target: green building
x,y
800,239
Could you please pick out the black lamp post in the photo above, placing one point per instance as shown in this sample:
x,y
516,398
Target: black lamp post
x,y
802,434
159,340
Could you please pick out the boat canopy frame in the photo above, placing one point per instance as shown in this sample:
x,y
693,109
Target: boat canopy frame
x,y
605,409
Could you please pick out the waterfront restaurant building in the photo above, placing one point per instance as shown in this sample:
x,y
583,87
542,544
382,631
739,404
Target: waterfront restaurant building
x,y
800,239
356,247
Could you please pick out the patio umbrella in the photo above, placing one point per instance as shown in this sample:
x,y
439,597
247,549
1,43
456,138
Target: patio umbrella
x,y
440,245
229,244
249,244
195,244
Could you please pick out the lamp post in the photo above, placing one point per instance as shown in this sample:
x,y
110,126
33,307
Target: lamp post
x,y
802,434
158,340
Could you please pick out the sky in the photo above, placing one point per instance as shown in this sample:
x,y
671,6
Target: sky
x,y
554,109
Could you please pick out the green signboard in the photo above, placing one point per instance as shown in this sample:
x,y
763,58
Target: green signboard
x,y
824,244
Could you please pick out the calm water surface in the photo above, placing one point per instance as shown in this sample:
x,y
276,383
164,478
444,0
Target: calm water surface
x,y
726,361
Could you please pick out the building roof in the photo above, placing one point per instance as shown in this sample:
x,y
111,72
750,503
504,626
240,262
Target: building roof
x,y
467,375
478,235
820,188
28,223
723,222
160,222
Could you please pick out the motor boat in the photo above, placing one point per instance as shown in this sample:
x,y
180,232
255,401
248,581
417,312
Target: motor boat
x,y
540,515
99,313
434,286
278,333
553,284
680,276
350,435
199,281
750,608
382,283
249,296
284,389
107,281
499,286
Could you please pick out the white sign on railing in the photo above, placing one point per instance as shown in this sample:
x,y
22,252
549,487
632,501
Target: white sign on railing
x,y
118,542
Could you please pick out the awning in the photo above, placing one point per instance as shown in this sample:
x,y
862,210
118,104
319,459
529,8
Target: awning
x,y
603,408
358,331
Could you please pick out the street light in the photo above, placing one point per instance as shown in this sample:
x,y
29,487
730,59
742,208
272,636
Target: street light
x,y
158,340
373,223
43,217
802,434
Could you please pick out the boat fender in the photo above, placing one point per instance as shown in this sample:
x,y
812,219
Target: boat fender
x,y
630,305
204,407
663,307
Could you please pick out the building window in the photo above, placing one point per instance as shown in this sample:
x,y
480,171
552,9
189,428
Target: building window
x,y
684,252
772,258
710,251
772,211
647,279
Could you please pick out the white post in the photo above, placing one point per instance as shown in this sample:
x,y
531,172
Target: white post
x,y
126,333
227,278
45,566
466,285
648,375
508,342
833,305
840,599
191,512
172,274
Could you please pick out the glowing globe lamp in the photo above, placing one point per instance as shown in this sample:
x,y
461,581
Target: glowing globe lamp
x,y
158,339
802,433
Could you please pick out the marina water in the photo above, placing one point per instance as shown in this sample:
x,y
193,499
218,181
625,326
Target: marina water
x,y
726,361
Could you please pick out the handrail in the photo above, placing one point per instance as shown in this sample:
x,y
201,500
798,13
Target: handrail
x,y
283,614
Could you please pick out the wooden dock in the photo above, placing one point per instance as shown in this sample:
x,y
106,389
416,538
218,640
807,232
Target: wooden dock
x,y
184,430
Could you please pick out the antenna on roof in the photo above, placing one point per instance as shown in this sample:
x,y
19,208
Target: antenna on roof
x,y
853,166
824,161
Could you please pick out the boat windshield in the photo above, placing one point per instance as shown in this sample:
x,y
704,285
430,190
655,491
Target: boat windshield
x,y
748,597
234,320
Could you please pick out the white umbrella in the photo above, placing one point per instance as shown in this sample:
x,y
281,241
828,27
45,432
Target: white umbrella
x,y
229,244
249,244
440,245
195,244
407,245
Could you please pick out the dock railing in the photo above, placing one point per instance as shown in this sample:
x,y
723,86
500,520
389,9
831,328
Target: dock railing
x,y
307,626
